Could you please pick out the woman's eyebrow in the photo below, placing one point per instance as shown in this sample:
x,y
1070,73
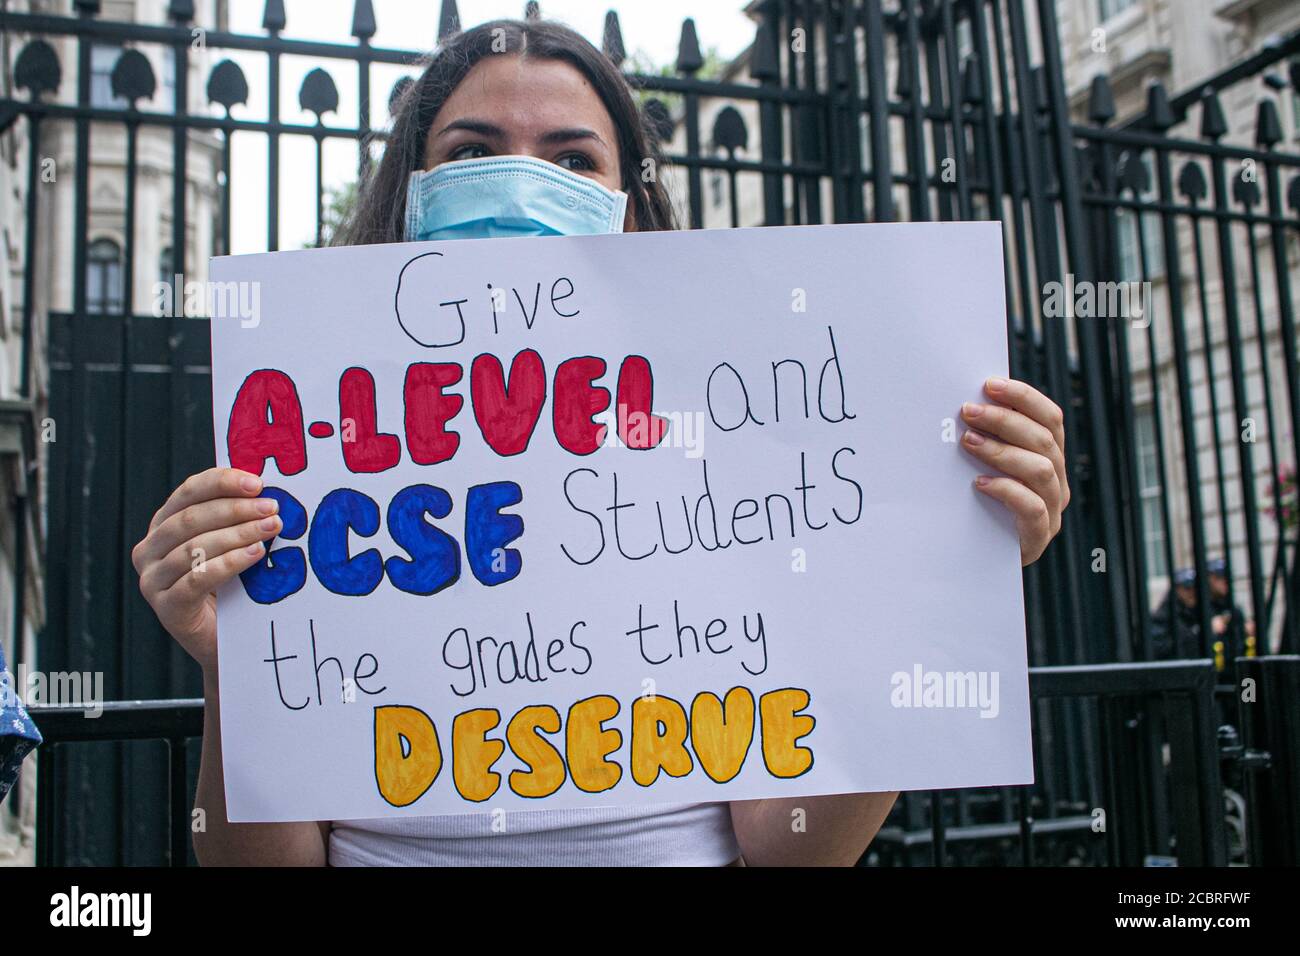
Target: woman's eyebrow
x,y
481,127
571,133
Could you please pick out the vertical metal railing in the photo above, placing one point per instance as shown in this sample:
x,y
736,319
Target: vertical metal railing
x,y
1140,810
1269,695
176,723
1168,810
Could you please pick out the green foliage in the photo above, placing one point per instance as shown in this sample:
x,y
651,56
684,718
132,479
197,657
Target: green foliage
x,y
339,206
641,63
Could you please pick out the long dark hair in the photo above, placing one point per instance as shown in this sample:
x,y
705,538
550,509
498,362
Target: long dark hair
x,y
381,208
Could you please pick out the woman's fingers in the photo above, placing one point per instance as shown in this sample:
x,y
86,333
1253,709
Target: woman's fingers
x,y
1022,434
1013,427
1031,402
186,526
194,554
1035,471
1017,428
210,529
1033,520
196,584
206,485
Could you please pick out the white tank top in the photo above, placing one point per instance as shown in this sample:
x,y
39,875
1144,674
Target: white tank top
x,y
677,834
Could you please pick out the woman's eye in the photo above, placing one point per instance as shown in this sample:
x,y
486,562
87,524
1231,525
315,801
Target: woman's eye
x,y
576,162
468,151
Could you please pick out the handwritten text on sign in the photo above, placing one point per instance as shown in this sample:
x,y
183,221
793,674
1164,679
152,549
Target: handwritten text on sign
x,y
616,520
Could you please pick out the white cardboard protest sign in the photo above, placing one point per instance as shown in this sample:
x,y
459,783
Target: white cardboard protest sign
x,y
616,520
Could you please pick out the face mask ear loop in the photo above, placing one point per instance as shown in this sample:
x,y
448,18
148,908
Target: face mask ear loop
x,y
412,218
619,214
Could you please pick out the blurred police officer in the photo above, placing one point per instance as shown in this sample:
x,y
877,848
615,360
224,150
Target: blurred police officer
x,y
1176,624
1230,624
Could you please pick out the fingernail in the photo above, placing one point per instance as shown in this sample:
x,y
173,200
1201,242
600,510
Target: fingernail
x,y
971,410
974,438
267,506
982,481
251,484
254,548
269,524
997,384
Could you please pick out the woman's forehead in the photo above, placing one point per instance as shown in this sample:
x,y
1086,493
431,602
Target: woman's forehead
x,y
527,97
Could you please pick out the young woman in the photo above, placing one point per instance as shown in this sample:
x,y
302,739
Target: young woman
x,y
518,129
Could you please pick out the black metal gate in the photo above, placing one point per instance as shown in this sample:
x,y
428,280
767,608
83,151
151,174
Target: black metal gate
x,y
910,109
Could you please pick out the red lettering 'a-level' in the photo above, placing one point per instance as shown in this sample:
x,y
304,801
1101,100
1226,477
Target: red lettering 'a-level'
x,y
266,422
576,400
428,409
507,414
365,448
638,427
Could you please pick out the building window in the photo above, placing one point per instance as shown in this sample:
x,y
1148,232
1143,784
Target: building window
x,y
1149,492
1295,113
102,60
104,277
166,272
1112,8
1130,260
965,40
167,89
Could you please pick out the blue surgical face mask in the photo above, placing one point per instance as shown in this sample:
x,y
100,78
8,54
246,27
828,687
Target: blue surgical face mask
x,y
508,196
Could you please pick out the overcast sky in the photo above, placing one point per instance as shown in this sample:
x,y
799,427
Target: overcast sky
x,y
650,27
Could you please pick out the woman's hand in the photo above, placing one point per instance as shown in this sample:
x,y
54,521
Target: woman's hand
x,y
212,528
209,530
1022,435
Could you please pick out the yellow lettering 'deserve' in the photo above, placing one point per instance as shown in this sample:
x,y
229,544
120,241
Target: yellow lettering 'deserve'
x,y
659,732
473,754
665,737
407,756
545,773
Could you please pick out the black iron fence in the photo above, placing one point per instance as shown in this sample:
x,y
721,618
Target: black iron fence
x,y
1182,411
1159,797
167,730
